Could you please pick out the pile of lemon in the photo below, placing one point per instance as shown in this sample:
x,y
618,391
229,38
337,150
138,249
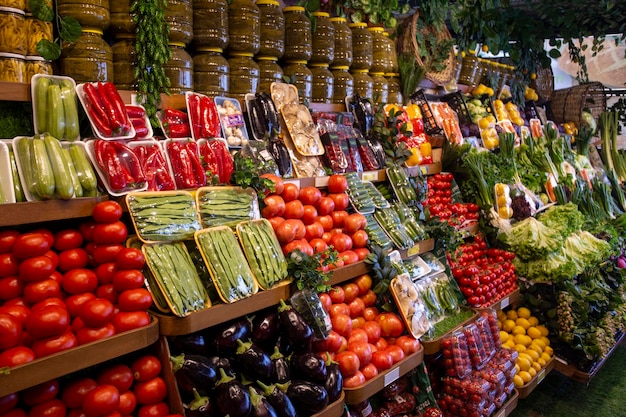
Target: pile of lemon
x,y
508,111
521,331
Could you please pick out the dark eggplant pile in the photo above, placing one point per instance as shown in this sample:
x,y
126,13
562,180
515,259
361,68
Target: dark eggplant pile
x,y
260,366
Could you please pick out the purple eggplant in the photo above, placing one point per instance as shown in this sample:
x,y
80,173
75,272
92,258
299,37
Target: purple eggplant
x,y
282,373
201,406
191,343
334,381
279,400
266,329
260,406
193,371
232,397
309,366
254,362
308,397
225,340
297,329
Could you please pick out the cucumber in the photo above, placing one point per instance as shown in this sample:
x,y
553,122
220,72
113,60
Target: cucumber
x,y
67,159
41,166
70,112
55,112
41,103
62,176
17,184
84,169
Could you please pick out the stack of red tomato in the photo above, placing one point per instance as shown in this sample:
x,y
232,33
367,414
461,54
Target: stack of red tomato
x,y
311,221
484,275
439,201
117,390
60,290
363,340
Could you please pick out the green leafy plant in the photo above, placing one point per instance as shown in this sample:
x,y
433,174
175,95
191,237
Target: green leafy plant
x,y
311,271
388,129
246,174
68,28
376,12
410,74
382,273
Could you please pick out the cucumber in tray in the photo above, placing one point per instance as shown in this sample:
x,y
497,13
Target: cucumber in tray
x,y
390,222
401,185
226,206
376,234
359,194
408,219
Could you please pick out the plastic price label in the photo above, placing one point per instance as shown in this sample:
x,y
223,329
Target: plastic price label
x,y
392,375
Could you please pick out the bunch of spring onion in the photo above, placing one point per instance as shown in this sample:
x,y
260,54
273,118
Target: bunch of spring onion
x,y
613,159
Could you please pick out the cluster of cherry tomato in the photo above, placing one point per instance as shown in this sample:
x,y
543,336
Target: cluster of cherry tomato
x,y
311,221
363,340
67,288
117,390
439,201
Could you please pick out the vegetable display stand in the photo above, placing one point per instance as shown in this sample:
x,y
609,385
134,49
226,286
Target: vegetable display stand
x,y
161,349
509,406
420,248
348,272
75,359
50,210
511,299
572,372
433,346
374,385
15,91
333,410
526,389
220,313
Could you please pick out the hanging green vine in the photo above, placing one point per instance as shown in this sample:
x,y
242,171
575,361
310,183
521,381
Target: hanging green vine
x,y
153,52
68,28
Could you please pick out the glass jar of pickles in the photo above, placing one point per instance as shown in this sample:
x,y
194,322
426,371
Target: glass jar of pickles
x,y
381,51
343,84
210,72
36,30
179,17
393,54
243,76
13,31
300,76
380,87
272,28
323,83
394,89
323,44
36,65
179,69
12,68
298,37
469,69
88,59
361,46
89,13
269,72
244,27
343,42
124,62
14,4
363,83
210,23
121,21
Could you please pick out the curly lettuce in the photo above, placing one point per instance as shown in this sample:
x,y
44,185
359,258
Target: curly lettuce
x,y
564,218
530,239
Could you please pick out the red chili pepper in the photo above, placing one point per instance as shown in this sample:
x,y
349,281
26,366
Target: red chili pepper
x,y
130,162
183,171
174,116
118,105
215,144
142,154
225,159
178,130
109,108
209,161
195,110
117,175
96,110
99,151
135,112
198,169
141,131
137,122
210,121
164,179
188,175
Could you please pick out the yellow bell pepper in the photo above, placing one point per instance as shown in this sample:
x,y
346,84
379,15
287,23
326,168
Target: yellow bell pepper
x,y
426,149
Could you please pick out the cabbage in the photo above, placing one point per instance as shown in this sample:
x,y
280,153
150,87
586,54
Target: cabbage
x,y
555,267
584,249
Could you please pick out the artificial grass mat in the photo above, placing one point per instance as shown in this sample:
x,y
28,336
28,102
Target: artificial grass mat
x,y
559,396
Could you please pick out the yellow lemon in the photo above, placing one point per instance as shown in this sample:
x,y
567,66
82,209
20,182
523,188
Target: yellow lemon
x,y
525,356
532,353
523,312
526,377
501,314
548,350
499,325
543,329
518,330
484,123
517,369
536,365
505,212
511,314
545,357
523,363
541,361
508,325
518,381
545,340
509,344
519,347
533,332
520,321
533,320
532,371
536,348
504,336
523,339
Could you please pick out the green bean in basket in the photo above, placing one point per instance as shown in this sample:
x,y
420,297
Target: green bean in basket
x,y
221,206
163,216
263,252
227,263
176,274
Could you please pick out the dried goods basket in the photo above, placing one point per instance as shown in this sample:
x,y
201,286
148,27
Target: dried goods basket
x,y
567,104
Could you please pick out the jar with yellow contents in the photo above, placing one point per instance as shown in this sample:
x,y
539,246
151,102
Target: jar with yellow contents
x,y
323,83
89,13
300,76
179,69
88,59
210,72
363,84
323,44
210,23
298,35
36,65
269,72
14,4
361,46
36,30
243,76
343,42
343,84
272,28
12,68
13,31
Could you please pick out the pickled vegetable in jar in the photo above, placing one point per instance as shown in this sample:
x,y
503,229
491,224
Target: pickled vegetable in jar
x,y
89,13
343,84
361,46
14,4
13,31
88,59
179,17
469,69
393,54
36,65
298,36
12,68
363,83
343,42
323,41
124,62
323,83
380,88
381,51
121,21
244,27
37,30
243,76
179,69
394,89
210,23
210,72
272,28
269,72
300,76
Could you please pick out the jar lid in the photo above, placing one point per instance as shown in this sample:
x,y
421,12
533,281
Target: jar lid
x,y
293,9
338,19
358,25
360,71
11,55
377,74
321,14
35,58
376,29
319,65
266,58
340,67
209,49
240,54
12,10
125,36
267,3
296,61
93,30
392,74
178,44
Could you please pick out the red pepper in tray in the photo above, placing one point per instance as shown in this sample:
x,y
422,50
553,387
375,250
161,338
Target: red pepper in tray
x,y
108,91
209,160
224,158
188,172
95,107
210,119
176,123
119,164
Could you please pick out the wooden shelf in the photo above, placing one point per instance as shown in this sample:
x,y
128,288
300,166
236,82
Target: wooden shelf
x,y
333,410
526,389
420,248
14,91
348,272
509,406
433,346
72,360
15,214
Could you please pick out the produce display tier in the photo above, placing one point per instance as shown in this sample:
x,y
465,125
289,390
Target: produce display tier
x,y
509,406
371,387
44,211
572,372
511,299
434,346
526,389
75,359
420,248
333,410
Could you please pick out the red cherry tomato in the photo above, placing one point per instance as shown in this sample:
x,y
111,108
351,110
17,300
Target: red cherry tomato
x,y
36,268
151,391
146,368
120,376
128,279
135,299
130,258
37,291
129,320
17,355
40,393
67,239
50,321
106,253
74,258
96,312
78,281
128,403
52,408
74,392
29,245
76,301
109,233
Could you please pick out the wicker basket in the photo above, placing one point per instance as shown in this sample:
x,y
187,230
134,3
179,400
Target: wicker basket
x,y
567,104
544,84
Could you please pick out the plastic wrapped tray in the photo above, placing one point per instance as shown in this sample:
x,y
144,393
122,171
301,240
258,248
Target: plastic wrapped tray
x,y
226,205
80,90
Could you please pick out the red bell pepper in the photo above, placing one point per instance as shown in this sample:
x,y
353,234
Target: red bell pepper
x,y
181,165
210,121
225,159
130,162
109,108
163,178
209,161
118,176
193,103
178,131
174,116
135,112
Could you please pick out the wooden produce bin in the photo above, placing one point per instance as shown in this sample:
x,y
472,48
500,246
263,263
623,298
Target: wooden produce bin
x,y
333,410
509,406
29,212
526,389
433,346
348,272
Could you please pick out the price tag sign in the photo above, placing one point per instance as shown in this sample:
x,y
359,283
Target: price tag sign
x,y
392,375
541,375
415,250
505,302
321,182
425,169
370,176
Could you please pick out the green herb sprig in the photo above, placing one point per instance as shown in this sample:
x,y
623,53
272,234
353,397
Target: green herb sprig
x,y
246,174
69,28
311,271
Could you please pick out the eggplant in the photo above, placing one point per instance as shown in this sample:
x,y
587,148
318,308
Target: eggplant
x,y
232,397
280,153
298,331
282,373
254,362
308,397
266,329
201,406
257,117
271,114
279,400
260,406
192,343
334,381
193,371
222,362
225,341
309,366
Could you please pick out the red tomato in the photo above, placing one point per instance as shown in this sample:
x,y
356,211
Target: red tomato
x,y
15,412
408,344
36,268
130,258
370,313
314,230
396,352
128,279
74,392
339,308
108,292
17,355
19,311
40,393
106,253
348,363
339,217
108,233
152,391
341,200
351,290
299,227
342,324
7,240
354,222
354,381
120,376
67,239
160,409
361,252
53,257
369,371
356,307
290,192
299,244
29,245
357,335
274,206
103,399
286,232
77,281
8,402
35,292
9,265
146,368
86,229
360,239
341,242
364,282
77,412
51,408
326,301
54,344
50,321
294,209
135,299
279,185
76,301
390,324
382,360
105,272
373,331
382,344
309,214
349,257
369,299
318,245
128,403
310,195
276,221
74,258
337,295
337,183
325,206
326,222
86,334
107,212
332,343
96,312
358,322
129,320
11,287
